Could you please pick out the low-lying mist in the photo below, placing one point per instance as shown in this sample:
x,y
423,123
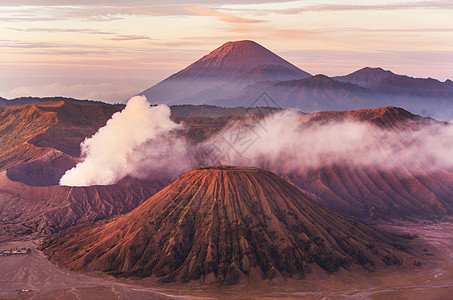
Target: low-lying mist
x,y
143,142
286,142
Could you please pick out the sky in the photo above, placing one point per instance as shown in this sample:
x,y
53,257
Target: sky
x,y
112,50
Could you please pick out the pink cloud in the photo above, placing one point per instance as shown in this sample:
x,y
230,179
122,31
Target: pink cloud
x,y
228,18
441,4
128,37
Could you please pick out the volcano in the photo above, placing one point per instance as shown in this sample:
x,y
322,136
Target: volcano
x,y
240,73
366,77
221,73
224,224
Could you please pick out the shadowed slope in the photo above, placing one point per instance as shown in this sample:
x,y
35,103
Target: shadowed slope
x,y
44,170
309,94
29,132
223,224
389,118
40,142
365,88
31,167
17,126
75,123
400,86
46,209
370,182
396,189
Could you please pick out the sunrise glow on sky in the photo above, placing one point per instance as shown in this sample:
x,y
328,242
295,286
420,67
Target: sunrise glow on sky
x,y
112,50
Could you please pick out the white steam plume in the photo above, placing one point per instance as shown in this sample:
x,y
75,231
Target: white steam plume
x,y
283,143
140,141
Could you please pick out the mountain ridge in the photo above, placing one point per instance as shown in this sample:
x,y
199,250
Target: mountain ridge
x,y
238,73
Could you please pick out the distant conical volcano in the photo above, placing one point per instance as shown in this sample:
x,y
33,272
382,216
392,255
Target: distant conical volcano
x,y
223,224
232,59
223,72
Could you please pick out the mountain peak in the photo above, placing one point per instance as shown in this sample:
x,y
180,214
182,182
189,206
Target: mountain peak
x,y
223,72
405,86
235,57
371,69
321,77
224,224
243,43
366,77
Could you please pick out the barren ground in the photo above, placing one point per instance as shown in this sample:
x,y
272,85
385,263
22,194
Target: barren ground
x,y
432,280
45,280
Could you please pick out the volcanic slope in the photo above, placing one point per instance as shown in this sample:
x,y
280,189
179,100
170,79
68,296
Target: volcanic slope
x,y
38,144
26,209
221,73
391,189
30,131
224,224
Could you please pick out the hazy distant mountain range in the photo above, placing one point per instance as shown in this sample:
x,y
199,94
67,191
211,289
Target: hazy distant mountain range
x,y
244,73
240,73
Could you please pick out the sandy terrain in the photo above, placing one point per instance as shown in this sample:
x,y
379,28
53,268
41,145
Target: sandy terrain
x,y
432,280
36,273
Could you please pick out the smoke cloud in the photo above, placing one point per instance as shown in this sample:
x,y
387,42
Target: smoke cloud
x,y
285,142
143,142
281,140
140,141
